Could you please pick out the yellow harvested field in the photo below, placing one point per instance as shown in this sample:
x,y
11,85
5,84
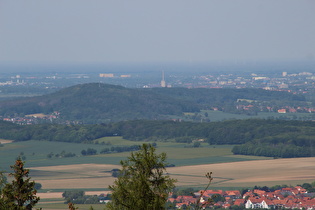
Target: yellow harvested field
x,y
237,174
74,176
250,173
49,195
39,115
96,192
3,141
77,183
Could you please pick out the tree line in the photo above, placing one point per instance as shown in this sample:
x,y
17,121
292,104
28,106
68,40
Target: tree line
x,y
273,138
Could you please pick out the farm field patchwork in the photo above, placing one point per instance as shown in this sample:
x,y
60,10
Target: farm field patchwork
x,y
236,175
93,173
289,171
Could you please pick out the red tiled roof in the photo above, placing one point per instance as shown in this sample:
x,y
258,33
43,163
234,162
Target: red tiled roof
x,y
221,192
233,192
256,200
260,192
238,202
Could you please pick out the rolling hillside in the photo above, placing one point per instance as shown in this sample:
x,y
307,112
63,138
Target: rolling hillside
x,y
96,103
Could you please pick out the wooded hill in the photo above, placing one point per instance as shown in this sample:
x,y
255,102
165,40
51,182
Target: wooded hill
x,y
96,102
273,138
100,102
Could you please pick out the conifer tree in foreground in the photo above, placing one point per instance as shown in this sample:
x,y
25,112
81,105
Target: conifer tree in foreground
x,y
142,183
21,193
3,181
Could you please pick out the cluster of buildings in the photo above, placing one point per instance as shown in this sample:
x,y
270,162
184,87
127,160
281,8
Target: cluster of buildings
x,y
287,198
111,75
296,83
284,109
15,80
32,119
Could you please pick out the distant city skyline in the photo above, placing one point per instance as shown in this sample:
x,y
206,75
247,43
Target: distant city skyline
x,y
141,32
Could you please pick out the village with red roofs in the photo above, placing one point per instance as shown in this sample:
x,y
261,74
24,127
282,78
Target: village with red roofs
x,y
284,198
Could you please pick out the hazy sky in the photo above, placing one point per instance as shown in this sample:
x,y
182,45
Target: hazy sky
x,y
134,31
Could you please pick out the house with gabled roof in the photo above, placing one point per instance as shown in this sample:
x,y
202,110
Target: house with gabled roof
x,y
234,194
180,205
300,190
260,192
288,197
248,194
209,193
185,199
256,203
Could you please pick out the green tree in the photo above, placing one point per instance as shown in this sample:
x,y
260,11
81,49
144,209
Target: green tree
x,y
217,197
71,195
143,183
196,144
38,186
3,181
21,193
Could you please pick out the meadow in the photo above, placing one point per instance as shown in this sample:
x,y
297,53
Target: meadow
x,y
214,116
179,154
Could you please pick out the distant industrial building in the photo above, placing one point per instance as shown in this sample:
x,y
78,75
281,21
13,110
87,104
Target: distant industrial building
x,y
106,75
260,78
125,75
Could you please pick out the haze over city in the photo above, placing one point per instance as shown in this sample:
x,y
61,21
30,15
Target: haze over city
x,y
112,33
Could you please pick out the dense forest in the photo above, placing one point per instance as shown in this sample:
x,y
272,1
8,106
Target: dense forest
x,y
93,102
103,103
223,97
273,138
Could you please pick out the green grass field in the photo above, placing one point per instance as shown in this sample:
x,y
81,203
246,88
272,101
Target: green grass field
x,y
36,153
36,156
220,116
